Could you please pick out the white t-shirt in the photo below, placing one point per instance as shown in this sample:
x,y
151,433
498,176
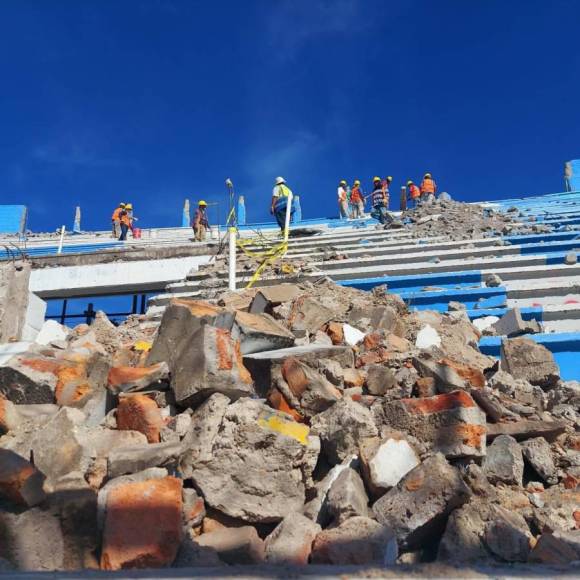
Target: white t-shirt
x,y
341,193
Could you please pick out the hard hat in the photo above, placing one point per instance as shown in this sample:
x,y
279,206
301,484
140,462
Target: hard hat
x,y
409,182
343,182
376,179
427,175
129,206
280,180
356,182
121,204
389,178
202,203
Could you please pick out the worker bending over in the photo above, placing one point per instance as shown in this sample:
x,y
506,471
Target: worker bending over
x,y
280,195
116,221
380,200
200,223
357,203
414,194
126,219
343,200
428,188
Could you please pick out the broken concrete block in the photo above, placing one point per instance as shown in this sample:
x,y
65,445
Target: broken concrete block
x,y
192,555
427,337
29,379
557,547
341,427
452,423
380,380
291,541
485,324
448,374
20,481
421,502
508,536
385,462
136,458
140,413
193,508
571,258
269,297
538,454
9,416
127,379
308,314
492,281
526,359
504,462
512,324
335,332
150,540
256,470
521,430
347,497
260,332
352,335
210,362
358,540
51,331
234,545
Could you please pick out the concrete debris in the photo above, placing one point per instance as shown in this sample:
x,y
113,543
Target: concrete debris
x,y
287,425
571,258
512,324
493,281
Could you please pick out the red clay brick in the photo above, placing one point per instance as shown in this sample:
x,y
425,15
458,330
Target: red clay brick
x,y
439,403
140,413
472,375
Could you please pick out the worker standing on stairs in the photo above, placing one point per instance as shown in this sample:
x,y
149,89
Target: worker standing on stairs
x,y
428,189
343,200
126,219
414,194
280,195
380,200
116,221
356,201
200,223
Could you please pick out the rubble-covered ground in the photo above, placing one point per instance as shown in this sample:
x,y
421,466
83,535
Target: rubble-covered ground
x,y
286,426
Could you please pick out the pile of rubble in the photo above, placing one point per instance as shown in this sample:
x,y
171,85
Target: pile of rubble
x,y
464,221
292,424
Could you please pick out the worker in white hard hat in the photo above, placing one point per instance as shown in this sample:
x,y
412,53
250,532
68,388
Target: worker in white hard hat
x,y
280,195
200,223
343,199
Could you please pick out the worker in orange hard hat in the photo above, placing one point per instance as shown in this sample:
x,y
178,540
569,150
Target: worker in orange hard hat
x,y
428,188
357,203
200,223
116,221
414,193
343,199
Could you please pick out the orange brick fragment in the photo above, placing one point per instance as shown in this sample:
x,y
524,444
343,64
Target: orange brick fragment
x,y
140,413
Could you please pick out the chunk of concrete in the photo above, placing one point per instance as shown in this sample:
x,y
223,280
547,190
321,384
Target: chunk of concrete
x,y
269,297
380,380
140,413
234,545
256,471
427,338
418,507
448,374
210,362
504,462
129,379
538,454
143,527
493,281
512,324
385,462
341,427
358,540
526,429
557,547
347,497
260,332
291,541
193,508
20,481
571,258
29,379
451,423
309,315
508,536
526,359
352,335
51,331
136,458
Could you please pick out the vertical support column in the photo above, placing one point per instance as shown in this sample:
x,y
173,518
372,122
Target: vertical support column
x,y
232,261
77,222
61,241
288,215
403,198
186,218
297,210
63,312
241,210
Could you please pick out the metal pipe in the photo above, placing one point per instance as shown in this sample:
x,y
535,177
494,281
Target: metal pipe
x,y
232,261
287,220
59,251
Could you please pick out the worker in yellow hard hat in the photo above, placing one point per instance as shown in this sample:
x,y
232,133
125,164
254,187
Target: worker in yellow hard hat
x,y
126,219
357,204
343,199
200,223
428,189
414,193
116,221
380,200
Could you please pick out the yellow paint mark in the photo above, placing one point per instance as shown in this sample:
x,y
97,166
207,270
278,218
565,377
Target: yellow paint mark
x,y
142,346
284,426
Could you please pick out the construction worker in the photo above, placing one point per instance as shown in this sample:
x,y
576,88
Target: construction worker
x,y
126,219
280,195
414,193
380,200
200,223
428,188
357,203
343,200
116,221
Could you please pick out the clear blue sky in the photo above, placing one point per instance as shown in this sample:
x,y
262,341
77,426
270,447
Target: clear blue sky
x,y
154,101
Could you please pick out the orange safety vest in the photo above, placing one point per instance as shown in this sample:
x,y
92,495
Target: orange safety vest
x,y
126,218
355,195
428,185
116,214
414,191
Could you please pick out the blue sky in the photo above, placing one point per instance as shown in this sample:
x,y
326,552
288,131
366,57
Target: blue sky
x,y
154,101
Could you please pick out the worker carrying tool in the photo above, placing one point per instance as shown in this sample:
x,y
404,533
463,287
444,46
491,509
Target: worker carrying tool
x,y
280,195
380,200
200,223
116,221
343,200
126,219
414,193
428,188
357,203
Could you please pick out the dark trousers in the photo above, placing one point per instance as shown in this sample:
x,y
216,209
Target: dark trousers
x,y
124,230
